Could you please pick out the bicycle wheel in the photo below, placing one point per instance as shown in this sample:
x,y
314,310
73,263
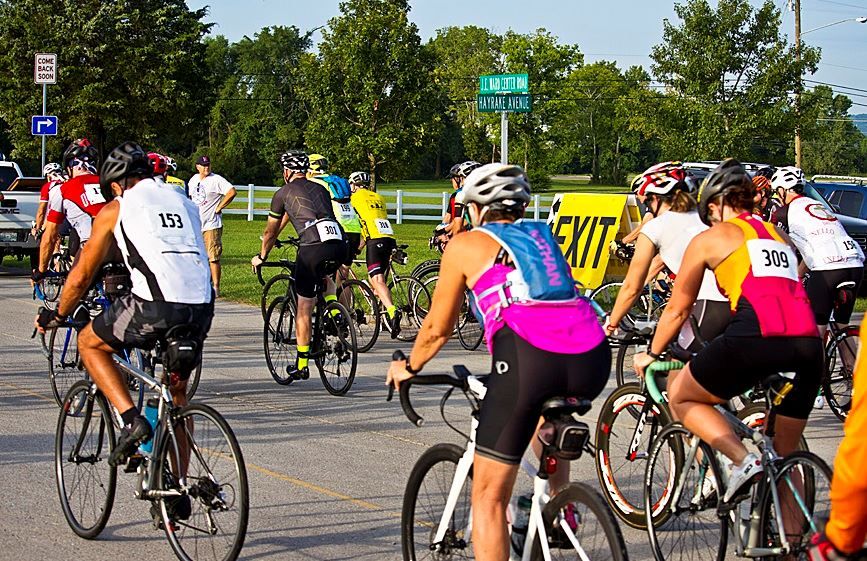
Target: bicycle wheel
x,y
363,306
193,380
803,515
754,416
280,343
336,355
216,484
276,287
606,296
426,269
626,351
424,502
579,513
470,331
84,439
693,529
837,382
623,439
413,300
64,363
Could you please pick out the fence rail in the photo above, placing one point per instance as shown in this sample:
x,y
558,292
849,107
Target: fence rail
x,y
398,201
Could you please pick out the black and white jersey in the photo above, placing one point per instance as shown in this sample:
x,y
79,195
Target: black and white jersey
x,y
159,233
817,233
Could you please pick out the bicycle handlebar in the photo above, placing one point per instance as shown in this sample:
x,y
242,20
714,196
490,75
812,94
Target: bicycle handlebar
x,y
650,377
430,380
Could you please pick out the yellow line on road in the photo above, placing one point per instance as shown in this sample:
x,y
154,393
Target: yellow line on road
x,y
26,391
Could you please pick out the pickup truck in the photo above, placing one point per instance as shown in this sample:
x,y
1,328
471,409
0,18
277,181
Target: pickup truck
x,y
19,199
848,195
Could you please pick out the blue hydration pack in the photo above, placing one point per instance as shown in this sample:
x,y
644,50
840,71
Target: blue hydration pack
x,y
541,267
338,186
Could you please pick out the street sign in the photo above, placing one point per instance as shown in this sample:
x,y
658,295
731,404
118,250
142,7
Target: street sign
x,y
504,83
517,103
43,125
45,68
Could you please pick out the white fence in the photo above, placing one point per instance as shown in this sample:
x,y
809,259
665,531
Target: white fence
x,y
402,205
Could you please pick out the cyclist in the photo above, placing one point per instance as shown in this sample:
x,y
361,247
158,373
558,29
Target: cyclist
x,y
666,189
78,200
160,168
159,235
454,220
772,329
323,246
767,203
178,183
545,341
379,238
54,177
341,204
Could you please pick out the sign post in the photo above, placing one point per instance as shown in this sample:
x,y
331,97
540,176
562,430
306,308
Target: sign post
x,y
45,72
504,93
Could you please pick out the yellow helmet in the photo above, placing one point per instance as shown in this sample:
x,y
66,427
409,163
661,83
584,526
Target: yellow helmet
x,y
318,163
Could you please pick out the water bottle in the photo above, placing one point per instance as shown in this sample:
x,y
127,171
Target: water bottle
x,y
520,522
151,414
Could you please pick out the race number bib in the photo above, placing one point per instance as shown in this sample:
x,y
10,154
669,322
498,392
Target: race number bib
x,y
328,231
345,211
770,258
92,194
847,248
384,226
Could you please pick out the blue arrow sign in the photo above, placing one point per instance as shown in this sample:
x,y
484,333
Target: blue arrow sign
x,y
43,125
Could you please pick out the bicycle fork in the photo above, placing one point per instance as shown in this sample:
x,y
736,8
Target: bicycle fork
x,y
462,473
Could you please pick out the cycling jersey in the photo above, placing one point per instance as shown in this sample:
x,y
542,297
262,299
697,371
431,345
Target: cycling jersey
x,y
177,184
340,193
78,200
820,238
309,209
159,234
373,214
760,279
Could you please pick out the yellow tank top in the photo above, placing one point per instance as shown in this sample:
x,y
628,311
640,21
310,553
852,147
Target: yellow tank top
x,y
373,213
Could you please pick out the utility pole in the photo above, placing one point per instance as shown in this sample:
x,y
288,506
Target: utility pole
x,y
796,6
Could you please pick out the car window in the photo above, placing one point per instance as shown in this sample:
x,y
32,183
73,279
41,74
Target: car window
x,y
7,177
850,202
834,197
811,192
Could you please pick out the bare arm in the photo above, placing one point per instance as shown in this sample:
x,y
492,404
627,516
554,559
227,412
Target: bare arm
x,y
227,199
40,215
633,235
634,281
47,244
269,236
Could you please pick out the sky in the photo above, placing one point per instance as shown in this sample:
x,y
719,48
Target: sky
x,y
620,30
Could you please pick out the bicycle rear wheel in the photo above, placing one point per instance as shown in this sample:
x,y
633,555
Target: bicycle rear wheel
x,y
363,306
413,300
337,355
424,503
64,363
426,269
579,513
279,337
470,331
216,486
84,439
838,380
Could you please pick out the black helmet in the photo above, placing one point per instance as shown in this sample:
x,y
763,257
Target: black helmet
x,y
127,160
767,172
463,169
295,160
81,150
730,173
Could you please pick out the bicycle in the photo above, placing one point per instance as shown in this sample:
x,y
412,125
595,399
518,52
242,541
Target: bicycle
x,y
684,483
841,348
471,331
193,453
575,522
281,280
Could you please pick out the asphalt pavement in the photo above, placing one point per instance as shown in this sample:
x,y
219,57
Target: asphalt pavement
x,y
326,474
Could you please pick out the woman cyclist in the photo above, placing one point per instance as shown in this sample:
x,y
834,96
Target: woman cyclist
x,y
666,189
772,329
545,340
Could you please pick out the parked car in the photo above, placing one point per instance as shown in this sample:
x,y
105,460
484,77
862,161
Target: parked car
x,y
847,195
19,199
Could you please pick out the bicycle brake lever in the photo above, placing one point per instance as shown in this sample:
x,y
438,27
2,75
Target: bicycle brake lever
x,y
396,355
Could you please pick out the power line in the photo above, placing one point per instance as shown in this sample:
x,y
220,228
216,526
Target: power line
x,y
836,86
844,4
845,67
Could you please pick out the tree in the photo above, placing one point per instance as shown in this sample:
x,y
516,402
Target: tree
x,y
832,141
128,69
729,73
371,94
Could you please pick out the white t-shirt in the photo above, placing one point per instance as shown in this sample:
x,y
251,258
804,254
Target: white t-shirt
x,y
207,194
819,236
671,233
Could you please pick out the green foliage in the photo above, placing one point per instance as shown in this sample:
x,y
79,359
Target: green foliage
x,y
833,141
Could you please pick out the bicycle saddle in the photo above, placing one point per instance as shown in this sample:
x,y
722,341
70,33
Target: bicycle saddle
x,y
563,406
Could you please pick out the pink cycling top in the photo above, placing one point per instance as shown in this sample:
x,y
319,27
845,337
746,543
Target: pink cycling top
x,y
566,326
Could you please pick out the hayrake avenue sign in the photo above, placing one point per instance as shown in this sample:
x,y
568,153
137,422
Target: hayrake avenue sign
x,y
517,103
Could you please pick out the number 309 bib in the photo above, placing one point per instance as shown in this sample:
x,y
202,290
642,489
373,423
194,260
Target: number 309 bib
x,y
770,258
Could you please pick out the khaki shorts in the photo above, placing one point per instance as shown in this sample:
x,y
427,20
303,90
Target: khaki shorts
x,y
213,244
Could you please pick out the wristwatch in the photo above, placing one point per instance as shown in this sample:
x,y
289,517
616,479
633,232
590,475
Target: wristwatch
x,y
410,369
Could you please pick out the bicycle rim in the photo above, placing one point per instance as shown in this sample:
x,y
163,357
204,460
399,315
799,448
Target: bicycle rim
x,y
63,362
339,356
276,287
413,300
629,347
85,482
363,308
838,380
470,331
216,482
280,346
424,502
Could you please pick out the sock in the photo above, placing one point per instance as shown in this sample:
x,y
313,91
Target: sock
x,y
332,298
129,415
390,311
302,356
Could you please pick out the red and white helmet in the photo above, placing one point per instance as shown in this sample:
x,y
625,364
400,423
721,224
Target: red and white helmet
x,y
159,163
663,179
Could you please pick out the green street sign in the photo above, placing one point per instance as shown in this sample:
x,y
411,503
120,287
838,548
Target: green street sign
x,y
517,103
504,84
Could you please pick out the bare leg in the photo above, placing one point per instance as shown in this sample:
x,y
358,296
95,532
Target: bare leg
x,y
303,320
381,290
215,276
492,489
96,355
559,478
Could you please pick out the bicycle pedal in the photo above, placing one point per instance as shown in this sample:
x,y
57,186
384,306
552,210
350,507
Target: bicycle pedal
x,y
132,463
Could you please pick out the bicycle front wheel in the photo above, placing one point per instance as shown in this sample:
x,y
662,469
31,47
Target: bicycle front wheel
x,y
839,367
64,364
205,518
83,441
579,525
470,331
280,343
413,300
424,503
276,287
337,355
363,308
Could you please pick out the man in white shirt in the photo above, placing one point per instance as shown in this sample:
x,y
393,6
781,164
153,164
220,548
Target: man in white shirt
x,y
212,193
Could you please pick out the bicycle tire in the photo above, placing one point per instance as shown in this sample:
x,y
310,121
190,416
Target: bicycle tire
x,y
215,491
193,380
470,331
416,533
364,309
628,348
667,452
601,541
64,362
430,267
838,379
621,471
280,291
91,412
413,300
337,346
280,346
606,295
814,466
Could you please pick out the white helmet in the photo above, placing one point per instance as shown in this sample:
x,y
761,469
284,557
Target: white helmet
x,y
499,184
359,178
788,178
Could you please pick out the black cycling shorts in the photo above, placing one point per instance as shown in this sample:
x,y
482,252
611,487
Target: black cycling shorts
x,y
379,255
522,378
354,239
315,262
822,291
131,322
730,366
